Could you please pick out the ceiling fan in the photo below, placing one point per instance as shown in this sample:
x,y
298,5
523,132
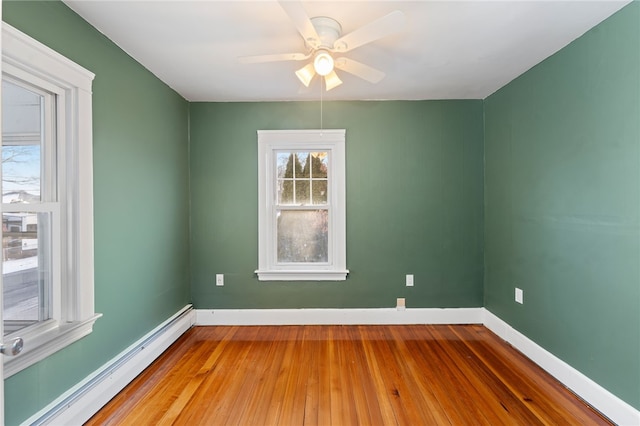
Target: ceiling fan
x,y
323,39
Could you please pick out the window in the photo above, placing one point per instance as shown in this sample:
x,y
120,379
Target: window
x,y
47,199
302,229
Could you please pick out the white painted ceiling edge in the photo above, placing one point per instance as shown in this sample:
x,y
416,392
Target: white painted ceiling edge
x,y
448,50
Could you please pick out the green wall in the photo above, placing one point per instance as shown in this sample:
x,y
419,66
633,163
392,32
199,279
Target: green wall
x,y
560,185
140,129
414,204
562,204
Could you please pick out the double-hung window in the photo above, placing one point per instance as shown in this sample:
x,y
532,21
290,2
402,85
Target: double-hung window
x,y
30,205
302,229
47,200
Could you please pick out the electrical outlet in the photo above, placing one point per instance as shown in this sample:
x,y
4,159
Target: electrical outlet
x,y
219,279
400,304
519,295
409,280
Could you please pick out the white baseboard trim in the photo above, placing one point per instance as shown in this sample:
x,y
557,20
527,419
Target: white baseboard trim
x,y
339,316
82,401
601,399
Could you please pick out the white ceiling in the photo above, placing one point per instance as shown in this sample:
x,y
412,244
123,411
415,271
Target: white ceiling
x,y
448,50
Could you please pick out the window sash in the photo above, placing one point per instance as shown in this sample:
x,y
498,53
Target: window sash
x,y
307,208
53,241
52,100
294,179
49,230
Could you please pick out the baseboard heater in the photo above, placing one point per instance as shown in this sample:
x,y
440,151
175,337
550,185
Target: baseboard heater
x,y
78,404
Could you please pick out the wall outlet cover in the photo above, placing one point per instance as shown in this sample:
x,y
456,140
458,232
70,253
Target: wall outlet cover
x,y
409,280
519,295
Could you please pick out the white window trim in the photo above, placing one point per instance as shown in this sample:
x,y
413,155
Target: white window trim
x,y
22,55
270,141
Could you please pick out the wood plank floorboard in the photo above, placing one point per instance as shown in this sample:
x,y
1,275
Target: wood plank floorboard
x,y
344,375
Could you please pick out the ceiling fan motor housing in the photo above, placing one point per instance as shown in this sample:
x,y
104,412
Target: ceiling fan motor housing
x,y
328,29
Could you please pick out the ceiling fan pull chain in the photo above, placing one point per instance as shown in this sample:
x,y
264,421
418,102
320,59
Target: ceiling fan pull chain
x,y
321,123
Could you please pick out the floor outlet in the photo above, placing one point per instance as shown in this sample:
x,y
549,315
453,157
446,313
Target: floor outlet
x,y
400,304
219,279
519,295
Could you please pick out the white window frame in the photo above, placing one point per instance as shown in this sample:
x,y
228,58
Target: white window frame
x,y
73,313
270,142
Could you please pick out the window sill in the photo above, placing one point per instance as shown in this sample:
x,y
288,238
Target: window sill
x,y
298,275
45,339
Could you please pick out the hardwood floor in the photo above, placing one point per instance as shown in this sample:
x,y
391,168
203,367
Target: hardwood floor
x,y
344,375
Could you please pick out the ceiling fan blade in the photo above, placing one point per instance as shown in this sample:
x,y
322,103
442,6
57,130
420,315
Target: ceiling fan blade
x,y
273,58
382,27
301,20
359,69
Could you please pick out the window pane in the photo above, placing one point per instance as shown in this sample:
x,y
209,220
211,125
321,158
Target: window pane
x,y
22,121
302,191
283,161
303,160
303,236
319,192
26,269
285,191
319,164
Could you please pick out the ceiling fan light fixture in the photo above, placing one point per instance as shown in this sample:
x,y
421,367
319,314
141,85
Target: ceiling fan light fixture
x,y
323,62
332,80
306,74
